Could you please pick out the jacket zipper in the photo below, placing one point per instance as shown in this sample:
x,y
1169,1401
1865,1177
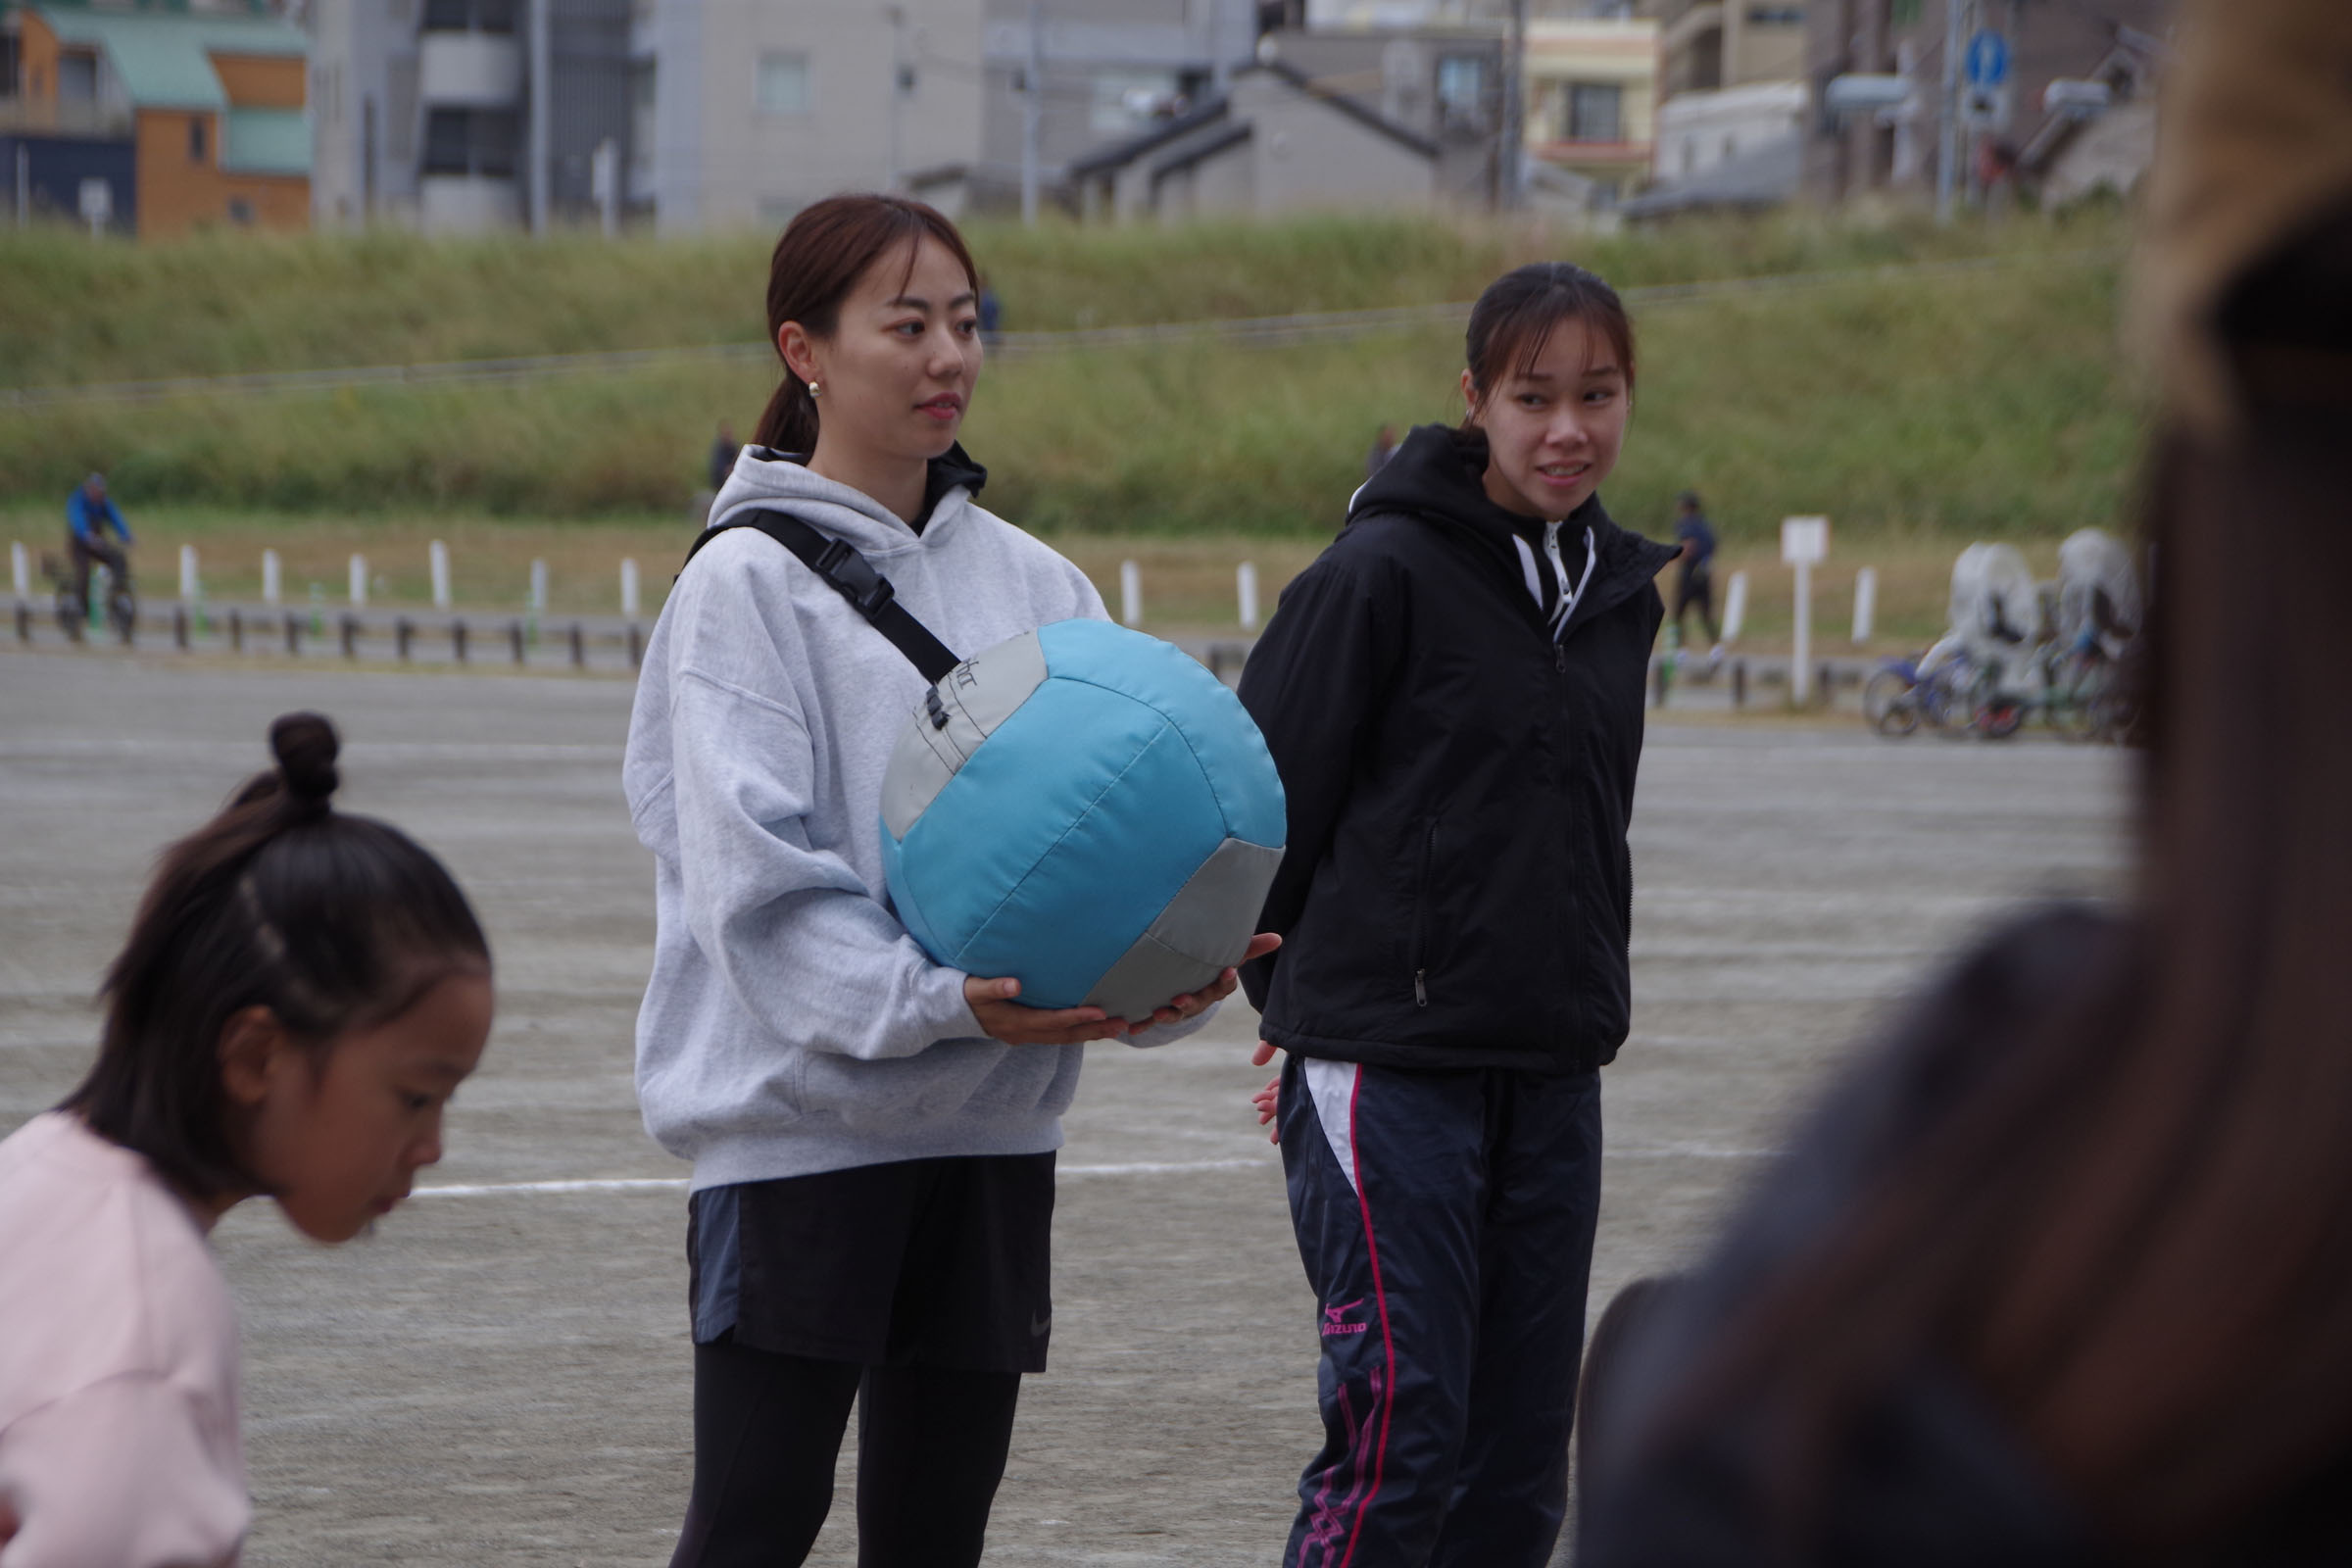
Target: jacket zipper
x,y
1429,846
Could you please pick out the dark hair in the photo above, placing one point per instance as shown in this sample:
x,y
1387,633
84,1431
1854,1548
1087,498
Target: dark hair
x,y
819,258
2135,1236
1513,319
333,922
1689,498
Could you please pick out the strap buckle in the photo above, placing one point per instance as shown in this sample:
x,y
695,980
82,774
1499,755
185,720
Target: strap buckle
x,y
853,579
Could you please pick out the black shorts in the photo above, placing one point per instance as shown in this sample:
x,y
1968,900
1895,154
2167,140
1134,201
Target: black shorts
x,y
919,1263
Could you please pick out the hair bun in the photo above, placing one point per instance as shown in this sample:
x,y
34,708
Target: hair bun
x,y
305,745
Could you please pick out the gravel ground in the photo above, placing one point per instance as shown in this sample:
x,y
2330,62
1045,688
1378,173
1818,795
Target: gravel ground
x,y
502,1377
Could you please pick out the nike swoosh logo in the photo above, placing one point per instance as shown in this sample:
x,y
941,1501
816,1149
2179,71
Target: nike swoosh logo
x,y
1039,1325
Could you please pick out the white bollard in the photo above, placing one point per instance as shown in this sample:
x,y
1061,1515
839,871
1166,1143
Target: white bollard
x,y
274,578
629,588
1866,602
538,587
1131,594
20,567
359,582
439,553
1734,607
189,589
1800,670
1245,586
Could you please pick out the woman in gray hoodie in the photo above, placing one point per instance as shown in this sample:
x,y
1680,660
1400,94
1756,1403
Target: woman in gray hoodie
x,y
871,1132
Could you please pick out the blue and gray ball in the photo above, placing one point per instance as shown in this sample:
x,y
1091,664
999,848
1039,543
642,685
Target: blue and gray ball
x,y
1087,809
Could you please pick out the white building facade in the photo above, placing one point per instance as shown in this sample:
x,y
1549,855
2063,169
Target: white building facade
x,y
748,111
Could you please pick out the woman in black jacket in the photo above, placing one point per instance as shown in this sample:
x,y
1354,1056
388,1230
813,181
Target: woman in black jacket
x,y
1454,693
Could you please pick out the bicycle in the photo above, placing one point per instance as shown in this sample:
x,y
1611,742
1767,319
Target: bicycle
x,y
120,597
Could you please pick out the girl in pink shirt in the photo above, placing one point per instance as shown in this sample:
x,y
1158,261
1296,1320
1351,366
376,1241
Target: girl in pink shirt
x,y
301,994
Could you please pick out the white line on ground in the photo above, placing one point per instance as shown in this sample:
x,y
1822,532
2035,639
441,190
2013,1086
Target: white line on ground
x,y
673,1184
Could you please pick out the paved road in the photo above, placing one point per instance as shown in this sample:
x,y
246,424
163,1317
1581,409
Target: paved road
x,y
500,1377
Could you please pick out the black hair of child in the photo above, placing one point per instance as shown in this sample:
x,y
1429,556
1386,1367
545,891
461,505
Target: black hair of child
x,y
333,922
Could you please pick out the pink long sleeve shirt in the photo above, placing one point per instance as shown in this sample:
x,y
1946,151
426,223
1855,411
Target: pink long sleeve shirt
x,y
119,1441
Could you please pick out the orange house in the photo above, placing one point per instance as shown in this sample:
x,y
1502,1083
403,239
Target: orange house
x,y
214,105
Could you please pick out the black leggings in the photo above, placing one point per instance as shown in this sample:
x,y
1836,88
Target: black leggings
x,y
931,1447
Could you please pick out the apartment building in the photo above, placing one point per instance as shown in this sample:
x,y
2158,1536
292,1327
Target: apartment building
x,y
748,111
466,116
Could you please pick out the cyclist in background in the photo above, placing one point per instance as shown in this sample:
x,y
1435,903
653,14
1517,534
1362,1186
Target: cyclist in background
x,y
89,512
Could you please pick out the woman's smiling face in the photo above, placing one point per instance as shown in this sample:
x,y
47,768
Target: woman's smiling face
x,y
1553,423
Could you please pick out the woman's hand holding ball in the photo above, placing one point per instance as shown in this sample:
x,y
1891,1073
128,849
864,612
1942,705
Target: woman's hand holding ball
x,y
1004,1018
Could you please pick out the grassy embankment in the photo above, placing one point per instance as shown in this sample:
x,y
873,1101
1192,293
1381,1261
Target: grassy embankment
x,y
1919,411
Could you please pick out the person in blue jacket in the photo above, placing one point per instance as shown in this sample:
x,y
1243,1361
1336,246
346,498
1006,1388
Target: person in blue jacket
x,y
89,512
1454,693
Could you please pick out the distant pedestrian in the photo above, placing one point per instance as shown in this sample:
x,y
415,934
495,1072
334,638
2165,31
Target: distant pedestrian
x,y
1384,447
89,512
722,456
992,313
1695,585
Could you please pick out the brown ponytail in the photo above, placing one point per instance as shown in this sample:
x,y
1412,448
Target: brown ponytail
x,y
821,255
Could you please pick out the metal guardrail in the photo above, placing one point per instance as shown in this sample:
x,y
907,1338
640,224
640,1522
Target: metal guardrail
x,y
1264,331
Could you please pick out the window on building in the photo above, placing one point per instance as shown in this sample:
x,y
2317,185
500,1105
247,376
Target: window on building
x,y
1593,111
469,16
11,61
472,141
198,141
240,211
1461,90
784,84
78,76
1776,16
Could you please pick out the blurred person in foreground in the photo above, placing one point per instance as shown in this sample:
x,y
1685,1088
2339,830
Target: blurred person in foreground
x,y
89,512
2063,1273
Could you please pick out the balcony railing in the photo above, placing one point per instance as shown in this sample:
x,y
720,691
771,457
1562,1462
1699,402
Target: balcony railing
x,y
55,116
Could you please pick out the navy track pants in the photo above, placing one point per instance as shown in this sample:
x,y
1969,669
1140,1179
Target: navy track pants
x,y
1446,1220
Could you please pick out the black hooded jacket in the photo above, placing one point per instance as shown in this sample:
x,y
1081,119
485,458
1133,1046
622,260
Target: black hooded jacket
x,y
1457,889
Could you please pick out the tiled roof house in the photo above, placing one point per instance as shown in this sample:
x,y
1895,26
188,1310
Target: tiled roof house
x,y
212,103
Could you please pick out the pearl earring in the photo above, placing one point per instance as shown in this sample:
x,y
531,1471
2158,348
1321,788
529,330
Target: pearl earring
x,y
813,389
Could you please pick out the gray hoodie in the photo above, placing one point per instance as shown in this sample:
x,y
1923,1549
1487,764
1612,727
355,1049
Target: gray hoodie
x,y
790,1024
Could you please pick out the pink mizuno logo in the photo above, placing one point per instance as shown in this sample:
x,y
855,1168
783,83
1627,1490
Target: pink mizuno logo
x,y
1335,1320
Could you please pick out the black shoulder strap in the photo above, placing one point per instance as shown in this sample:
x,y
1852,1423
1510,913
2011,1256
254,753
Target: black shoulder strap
x,y
850,575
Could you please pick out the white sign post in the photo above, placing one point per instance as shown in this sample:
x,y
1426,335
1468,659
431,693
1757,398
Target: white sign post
x,y
273,578
1131,594
1866,603
439,554
189,587
359,582
20,567
629,587
1245,583
97,198
1804,545
1734,608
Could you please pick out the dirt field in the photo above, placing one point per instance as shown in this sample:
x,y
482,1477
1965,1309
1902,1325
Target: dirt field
x,y
500,1376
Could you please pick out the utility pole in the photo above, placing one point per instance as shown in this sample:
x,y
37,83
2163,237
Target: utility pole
x,y
542,92
1512,154
1219,69
1032,109
898,88
1947,153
